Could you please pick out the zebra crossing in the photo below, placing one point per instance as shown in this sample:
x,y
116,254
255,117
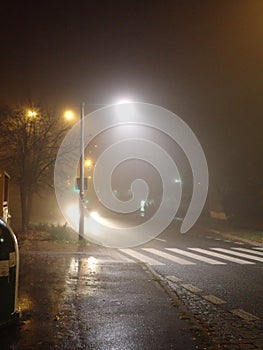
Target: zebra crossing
x,y
193,256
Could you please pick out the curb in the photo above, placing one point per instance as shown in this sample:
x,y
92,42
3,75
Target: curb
x,y
185,312
226,235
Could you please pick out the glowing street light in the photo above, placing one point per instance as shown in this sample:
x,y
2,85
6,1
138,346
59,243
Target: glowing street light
x,y
123,101
88,163
31,113
69,115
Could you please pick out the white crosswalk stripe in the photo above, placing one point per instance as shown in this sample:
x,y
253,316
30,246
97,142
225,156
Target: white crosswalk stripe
x,y
141,257
258,248
169,256
242,255
199,254
251,251
197,257
222,256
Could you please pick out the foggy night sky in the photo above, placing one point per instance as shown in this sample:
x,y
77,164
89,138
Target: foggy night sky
x,y
203,60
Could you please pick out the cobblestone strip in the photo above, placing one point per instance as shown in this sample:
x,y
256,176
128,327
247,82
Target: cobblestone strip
x,y
225,328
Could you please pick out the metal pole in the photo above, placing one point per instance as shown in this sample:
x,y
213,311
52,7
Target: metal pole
x,y
81,170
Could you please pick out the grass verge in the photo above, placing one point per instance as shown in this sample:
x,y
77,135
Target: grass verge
x,y
232,231
58,233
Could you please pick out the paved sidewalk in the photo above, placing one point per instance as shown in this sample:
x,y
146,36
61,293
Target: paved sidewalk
x,y
94,300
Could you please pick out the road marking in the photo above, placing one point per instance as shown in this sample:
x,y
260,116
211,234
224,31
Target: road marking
x,y
213,299
197,257
240,243
227,241
173,279
249,251
234,251
245,315
215,231
141,257
169,256
222,256
191,288
159,239
259,248
242,255
125,258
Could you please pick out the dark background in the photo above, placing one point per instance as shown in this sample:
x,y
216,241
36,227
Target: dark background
x,y
203,60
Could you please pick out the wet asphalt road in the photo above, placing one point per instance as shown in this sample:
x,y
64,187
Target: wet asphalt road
x,y
238,283
218,279
93,300
102,299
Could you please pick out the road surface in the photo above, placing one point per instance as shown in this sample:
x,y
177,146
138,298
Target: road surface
x,y
228,271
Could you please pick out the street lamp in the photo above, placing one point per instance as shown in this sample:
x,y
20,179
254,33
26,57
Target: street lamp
x,y
69,115
81,189
123,101
88,163
82,165
31,113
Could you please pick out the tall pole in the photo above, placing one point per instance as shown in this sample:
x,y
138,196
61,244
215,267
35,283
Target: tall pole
x,y
81,175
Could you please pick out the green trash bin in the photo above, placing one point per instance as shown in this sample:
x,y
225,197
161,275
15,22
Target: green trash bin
x,y
9,270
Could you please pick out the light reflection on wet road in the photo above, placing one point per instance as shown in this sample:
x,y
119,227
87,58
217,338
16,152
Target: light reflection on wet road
x,y
93,300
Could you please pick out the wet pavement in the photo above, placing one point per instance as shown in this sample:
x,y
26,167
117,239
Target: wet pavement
x,y
91,298
224,328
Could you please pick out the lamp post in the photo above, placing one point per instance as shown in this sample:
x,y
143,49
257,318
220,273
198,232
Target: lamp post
x,y
81,175
69,115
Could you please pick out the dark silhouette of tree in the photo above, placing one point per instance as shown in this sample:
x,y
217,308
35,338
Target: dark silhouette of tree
x,y
29,141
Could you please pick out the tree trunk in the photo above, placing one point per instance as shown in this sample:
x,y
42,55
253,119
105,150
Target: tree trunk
x,y
29,206
23,207
26,206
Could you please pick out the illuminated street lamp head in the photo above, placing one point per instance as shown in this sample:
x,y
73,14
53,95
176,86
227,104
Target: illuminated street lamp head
x,y
123,101
69,115
31,113
88,162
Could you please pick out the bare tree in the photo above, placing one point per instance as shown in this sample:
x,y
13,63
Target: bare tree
x,y
29,141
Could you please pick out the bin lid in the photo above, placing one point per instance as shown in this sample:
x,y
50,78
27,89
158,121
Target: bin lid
x,y
7,240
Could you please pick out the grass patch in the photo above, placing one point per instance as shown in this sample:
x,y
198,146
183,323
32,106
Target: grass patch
x,y
60,233
251,235
228,229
